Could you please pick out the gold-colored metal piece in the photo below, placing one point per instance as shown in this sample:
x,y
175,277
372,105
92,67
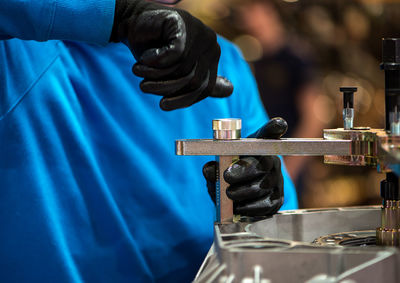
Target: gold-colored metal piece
x,y
364,146
389,232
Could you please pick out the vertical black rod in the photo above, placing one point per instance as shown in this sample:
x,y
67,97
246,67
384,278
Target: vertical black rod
x,y
391,66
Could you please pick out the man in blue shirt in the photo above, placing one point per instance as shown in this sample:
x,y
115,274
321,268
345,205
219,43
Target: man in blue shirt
x,y
90,187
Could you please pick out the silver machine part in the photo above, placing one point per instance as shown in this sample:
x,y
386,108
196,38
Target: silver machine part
x,y
313,246
224,129
227,129
344,245
250,146
226,151
224,205
348,118
301,246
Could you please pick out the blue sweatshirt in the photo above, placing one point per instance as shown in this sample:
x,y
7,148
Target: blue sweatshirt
x,y
90,187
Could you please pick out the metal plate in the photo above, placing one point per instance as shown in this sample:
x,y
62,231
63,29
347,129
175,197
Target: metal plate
x,y
316,147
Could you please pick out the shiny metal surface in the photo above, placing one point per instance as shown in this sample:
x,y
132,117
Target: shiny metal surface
x,y
348,118
388,234
224,205
351,239
364,145
227,129
316,147
308,225
285,248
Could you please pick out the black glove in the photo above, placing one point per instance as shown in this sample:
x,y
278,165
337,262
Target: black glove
x,y
256,182
177,55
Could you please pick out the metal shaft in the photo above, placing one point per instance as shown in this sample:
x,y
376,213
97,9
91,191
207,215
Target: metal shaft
x,y
224,204
224,130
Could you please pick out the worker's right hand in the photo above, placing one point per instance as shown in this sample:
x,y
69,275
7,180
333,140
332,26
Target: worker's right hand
x,y
255,182
177,55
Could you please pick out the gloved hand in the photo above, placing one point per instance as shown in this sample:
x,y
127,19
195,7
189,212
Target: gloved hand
x,y
177,55
256,182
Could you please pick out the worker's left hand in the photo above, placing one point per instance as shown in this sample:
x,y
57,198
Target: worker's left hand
x,y
177,55
256,182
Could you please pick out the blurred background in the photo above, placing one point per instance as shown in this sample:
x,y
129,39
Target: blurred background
x,y
301,52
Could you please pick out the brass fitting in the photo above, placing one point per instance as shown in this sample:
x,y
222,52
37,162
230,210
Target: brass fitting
x,y
389,232
364,146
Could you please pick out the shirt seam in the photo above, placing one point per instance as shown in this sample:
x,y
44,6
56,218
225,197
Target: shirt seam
x,y
19,100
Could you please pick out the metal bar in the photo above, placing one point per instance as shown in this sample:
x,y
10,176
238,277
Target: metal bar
x,y
295,146
224,204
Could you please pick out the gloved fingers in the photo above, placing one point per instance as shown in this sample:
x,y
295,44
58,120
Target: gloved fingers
x,y
186,99
169,87
271,180
279,186
210,174
172,50
211,188
265,206
210,171
212,55
144,32
161,57
274,177
247,191
270,163
273,129
243,170
223,88
196,89
151,73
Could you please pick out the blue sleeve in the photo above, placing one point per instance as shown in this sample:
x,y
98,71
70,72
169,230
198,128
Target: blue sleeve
x,y
89,20
246,104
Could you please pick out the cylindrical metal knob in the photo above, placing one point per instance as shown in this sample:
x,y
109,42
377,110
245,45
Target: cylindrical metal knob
x,y
227,129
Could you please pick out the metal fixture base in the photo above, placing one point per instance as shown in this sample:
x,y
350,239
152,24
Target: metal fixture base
x,y
302,246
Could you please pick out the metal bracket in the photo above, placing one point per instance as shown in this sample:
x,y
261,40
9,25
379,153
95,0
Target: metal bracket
x,y
249,146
